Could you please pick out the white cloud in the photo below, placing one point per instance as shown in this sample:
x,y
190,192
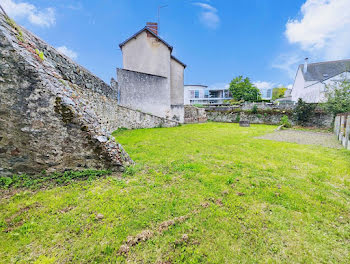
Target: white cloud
x,y
288,63
208,15
264,85
323,29
43,18
206,6
68,52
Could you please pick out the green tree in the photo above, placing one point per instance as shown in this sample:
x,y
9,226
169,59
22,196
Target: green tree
x,y
242,89
278,92
304,111
338,97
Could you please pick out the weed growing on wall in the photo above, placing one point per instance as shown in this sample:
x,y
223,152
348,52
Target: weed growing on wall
x,y
13,24
40,54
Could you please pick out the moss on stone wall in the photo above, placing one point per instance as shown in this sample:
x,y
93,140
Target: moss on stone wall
x,y
64,111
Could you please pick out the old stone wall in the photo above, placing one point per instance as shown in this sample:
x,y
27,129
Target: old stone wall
x,y
270,116
195,114
54,114
342,129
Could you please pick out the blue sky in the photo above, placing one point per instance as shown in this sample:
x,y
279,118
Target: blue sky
x,y
218,40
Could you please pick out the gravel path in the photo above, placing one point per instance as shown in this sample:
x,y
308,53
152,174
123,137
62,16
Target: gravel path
x,y
304,137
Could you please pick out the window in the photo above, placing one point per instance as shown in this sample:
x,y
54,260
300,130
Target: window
x,y
191,94
206,93
269,93
196,94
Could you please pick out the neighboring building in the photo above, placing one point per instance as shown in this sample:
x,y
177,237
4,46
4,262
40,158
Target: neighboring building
x,y
287,98
311,79
152,79
266,93
202,94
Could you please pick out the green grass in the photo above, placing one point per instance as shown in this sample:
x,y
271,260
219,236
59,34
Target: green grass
x,y
285,203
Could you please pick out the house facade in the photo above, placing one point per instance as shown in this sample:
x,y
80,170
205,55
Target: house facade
x,y
202,94
312,79
152,79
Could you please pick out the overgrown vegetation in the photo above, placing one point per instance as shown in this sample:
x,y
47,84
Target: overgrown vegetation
x,y
247,201
338,97
285,122
40,54
13,24
52,179
242,89
255,109
304,111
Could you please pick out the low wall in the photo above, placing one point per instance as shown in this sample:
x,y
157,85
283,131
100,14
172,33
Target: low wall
x,y
342,129
195,114
270,116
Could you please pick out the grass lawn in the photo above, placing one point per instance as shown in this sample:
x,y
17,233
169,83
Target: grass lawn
x,y
243,200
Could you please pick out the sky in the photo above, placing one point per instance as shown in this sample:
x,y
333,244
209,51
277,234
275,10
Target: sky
x,y
264,40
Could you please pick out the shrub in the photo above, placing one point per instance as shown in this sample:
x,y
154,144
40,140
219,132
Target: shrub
x,y
304,111
255,109
338,97
285,122
238,117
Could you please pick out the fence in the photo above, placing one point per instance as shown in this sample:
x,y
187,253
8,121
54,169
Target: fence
x,y
342,129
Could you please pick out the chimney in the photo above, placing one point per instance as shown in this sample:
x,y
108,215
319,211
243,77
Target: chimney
x,y
153,27
305,65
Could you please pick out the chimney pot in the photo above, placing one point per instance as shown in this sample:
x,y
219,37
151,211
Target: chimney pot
x,y
153,27
305,65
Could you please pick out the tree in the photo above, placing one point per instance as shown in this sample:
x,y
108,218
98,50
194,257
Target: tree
x,y
243,89
278,92
304,111
338,97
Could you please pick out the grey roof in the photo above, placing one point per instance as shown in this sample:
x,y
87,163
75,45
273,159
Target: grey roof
x,y
149,31
183,64
322,71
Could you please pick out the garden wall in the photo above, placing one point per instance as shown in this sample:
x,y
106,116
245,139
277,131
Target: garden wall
x,y
342,129
195,114
54,114
268,115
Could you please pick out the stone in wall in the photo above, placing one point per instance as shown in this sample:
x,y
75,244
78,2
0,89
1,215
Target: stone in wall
x,y
194,114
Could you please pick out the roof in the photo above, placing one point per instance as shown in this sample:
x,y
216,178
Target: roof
x,y
322,71
149,31
174,58
200,85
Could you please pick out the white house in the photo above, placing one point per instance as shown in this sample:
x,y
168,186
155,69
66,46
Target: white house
x,y
152,79
312,78
202,94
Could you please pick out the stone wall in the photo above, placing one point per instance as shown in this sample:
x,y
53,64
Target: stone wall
x,y
54,114
270,116
342,129
195,114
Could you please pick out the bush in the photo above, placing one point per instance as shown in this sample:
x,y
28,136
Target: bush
x,y
338,97
255,109
304,111
285,122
